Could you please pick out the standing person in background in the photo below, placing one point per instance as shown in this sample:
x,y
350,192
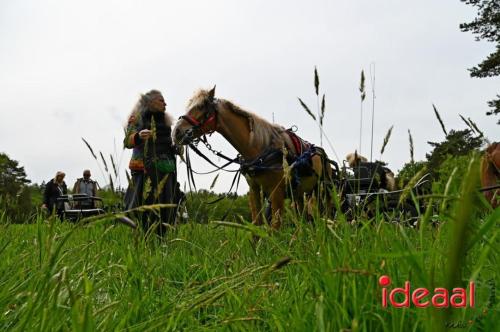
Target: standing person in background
x,y
86,186
53,190
153,162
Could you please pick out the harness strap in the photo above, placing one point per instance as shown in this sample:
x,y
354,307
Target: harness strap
x,y
217,153
207,125
298,143
236,179
263,162
230,161
489,188
189,172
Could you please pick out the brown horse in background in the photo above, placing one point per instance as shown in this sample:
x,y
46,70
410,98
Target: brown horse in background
x,y
263,147
490,173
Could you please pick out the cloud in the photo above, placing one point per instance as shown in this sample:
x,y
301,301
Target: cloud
x,y
63,116
74,70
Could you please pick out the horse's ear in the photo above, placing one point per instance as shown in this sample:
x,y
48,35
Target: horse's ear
x,y
211,93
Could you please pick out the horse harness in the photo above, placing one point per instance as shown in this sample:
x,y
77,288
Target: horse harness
x,y
206,125
270,159
300,160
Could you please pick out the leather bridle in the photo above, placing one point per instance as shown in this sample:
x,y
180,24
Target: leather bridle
x,y
207,125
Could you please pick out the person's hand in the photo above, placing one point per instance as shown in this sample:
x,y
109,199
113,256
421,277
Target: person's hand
x,y
145,134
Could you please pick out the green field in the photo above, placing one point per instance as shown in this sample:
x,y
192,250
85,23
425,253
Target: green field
x,y
320,276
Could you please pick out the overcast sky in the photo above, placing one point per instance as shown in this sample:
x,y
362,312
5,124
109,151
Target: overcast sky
x,y
72,69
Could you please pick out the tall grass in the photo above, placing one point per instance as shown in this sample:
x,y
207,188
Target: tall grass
x,y
312,275
110,176
309,276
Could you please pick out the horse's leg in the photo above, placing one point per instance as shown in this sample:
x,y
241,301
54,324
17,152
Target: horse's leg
x,y
312,203
277,202
298,203
317,194
255,205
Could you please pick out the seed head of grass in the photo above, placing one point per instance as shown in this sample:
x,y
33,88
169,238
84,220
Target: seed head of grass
x,y
90,148
441,123
362,86
386,140
308,111
316,81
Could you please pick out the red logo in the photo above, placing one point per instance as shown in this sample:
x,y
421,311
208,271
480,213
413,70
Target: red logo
x,y
422,297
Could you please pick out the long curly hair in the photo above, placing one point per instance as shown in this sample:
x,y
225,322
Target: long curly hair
x,y
142,106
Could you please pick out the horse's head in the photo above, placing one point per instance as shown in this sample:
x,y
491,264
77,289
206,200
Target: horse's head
x,y
353,159
200,118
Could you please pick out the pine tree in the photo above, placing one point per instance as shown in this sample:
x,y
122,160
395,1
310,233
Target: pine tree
x,y
15,195
486,26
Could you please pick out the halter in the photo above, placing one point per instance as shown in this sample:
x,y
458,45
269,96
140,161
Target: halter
x,y
206,125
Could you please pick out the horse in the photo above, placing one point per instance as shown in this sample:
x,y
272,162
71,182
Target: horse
x,y
490,173
268,153
388,181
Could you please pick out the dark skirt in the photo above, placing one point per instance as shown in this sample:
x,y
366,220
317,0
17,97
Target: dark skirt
x,y
150,189
133,196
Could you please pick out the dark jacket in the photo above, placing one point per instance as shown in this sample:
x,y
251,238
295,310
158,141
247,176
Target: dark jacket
x,y
52,192
139,121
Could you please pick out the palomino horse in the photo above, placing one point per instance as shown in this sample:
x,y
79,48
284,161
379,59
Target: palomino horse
x,y
490,173
389,182
261,146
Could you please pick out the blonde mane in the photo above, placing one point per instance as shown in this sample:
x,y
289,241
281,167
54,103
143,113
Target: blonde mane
x,y
354,158
262,132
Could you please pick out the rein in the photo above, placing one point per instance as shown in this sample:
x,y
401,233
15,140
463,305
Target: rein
x,y
217,168
270,159
489,188
207,125
190,171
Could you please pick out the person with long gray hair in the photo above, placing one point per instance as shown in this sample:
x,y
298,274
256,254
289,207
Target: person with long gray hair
x,y
153,163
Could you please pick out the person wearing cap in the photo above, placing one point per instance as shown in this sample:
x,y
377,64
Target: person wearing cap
x,y
86,186
153,163
55,188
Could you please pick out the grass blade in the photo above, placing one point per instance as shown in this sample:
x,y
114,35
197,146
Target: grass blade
x,y
90,148
440,120
307,109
